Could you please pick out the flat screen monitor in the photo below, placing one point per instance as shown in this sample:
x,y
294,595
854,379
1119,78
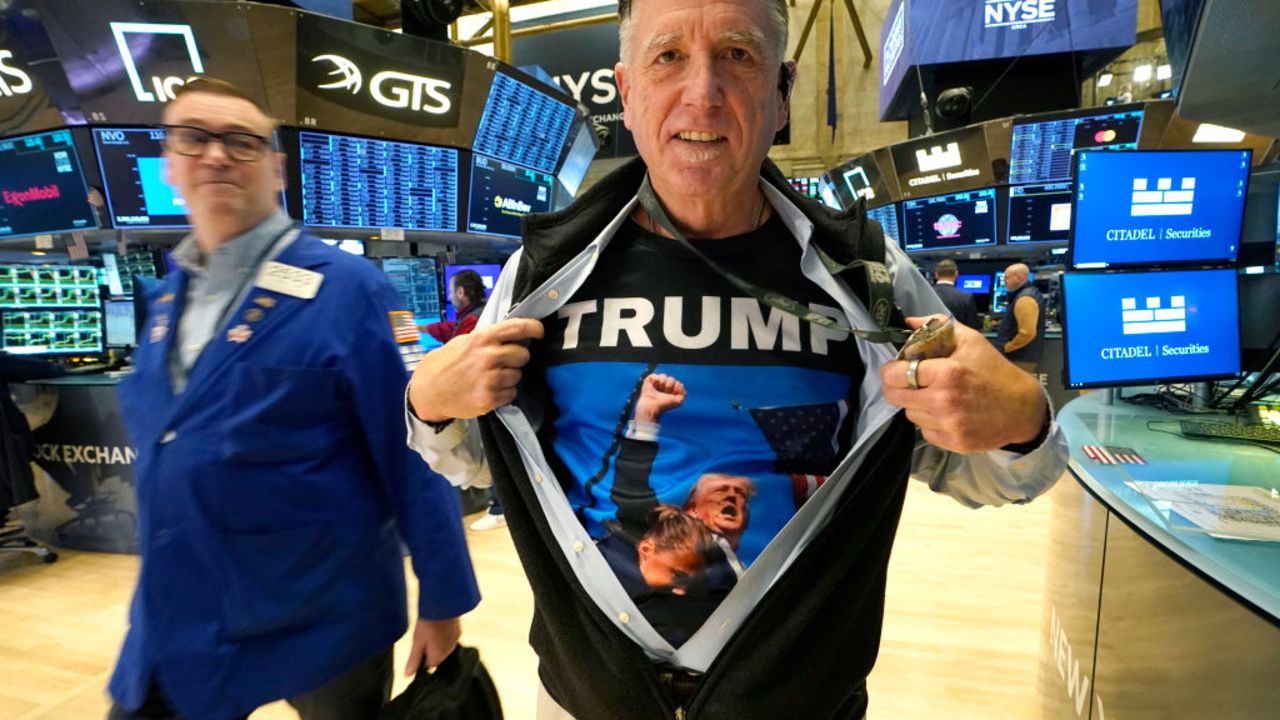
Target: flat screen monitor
x,y
51,332
502,193
488,273
133,172
42,187
957,220
578,160
133,264
1040,213
1042,147
999,293
418,282
887,216
48,287
523,125
974,284
947,162
121,330
1158,207
355,182
1259,319
1136,328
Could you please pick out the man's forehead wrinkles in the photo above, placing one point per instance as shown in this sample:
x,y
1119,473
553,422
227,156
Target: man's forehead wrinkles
x,y
743,36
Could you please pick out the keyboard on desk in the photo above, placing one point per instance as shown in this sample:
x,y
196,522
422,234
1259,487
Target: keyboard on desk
x,y
1230,431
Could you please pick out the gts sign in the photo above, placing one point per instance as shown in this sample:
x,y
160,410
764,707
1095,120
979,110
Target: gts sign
x,y
390,88
1017,13
12,80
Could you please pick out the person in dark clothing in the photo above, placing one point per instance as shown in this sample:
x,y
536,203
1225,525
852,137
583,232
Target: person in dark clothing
x,y
959,302
1021,333
17,482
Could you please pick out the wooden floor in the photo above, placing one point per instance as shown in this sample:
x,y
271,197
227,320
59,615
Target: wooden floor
x,y
961,635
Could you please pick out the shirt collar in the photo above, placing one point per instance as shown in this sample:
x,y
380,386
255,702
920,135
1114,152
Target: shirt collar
x,y
237,255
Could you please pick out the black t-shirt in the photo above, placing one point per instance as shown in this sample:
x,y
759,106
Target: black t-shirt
x,y
762,412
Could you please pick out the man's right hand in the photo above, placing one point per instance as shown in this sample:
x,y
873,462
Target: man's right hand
x,y
474,373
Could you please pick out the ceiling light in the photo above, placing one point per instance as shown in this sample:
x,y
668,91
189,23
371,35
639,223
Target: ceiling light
x,y
1207,133
1142,73
1105,79
1164,72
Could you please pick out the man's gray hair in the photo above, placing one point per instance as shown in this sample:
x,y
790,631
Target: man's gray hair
x,y
777,16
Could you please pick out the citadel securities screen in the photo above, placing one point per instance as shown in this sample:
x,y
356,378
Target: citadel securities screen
x,y
1136,327
42,188
1135,208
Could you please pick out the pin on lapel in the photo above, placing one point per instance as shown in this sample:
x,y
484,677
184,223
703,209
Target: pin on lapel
x,y
252,315
264,301
158,332
166,298
239,334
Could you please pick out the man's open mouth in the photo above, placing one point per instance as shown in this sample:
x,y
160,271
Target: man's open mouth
x,y
695,136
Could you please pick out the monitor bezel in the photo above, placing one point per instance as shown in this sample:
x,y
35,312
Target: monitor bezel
x,y
1145,382
1150,264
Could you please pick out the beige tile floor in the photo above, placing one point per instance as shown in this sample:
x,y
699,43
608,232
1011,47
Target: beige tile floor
x,y
961,636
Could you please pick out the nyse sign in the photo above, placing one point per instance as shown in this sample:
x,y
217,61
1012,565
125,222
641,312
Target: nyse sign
x,y
1016,14
12,80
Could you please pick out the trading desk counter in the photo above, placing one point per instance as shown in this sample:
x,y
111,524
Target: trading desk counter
x,y
1145,617
84,465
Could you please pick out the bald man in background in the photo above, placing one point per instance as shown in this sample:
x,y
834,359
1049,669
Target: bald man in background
x,y
1021,333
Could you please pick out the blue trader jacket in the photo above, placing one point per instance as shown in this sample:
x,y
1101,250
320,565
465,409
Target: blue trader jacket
x,y
270,492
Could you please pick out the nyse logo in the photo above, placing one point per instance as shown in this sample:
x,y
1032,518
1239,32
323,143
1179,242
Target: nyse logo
x,y
12,80
938,158
390,88
162,88
1017,14
1164,201
1153,318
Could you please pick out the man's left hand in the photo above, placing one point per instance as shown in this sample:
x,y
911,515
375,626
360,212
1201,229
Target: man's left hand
x,y
973,401
433,641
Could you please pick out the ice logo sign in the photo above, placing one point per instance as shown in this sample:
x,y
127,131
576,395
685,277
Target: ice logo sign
x,y
859,184
1016,14
938,158
1153,318
162,88
948,226
389,88
12,80
1164,201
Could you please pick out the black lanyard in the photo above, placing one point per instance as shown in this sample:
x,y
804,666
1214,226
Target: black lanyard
x,y
879,282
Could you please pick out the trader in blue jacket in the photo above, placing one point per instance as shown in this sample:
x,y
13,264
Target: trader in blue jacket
x,y
268,411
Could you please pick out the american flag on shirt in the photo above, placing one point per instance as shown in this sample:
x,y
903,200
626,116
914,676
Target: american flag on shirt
x,y
1113,455
403,327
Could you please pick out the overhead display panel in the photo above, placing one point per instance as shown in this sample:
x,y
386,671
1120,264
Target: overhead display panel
x,y
919,33
353,182
1043,145
522,125
125,59
366,80
26,73
502,193
868,177
42,186
957,220
951,161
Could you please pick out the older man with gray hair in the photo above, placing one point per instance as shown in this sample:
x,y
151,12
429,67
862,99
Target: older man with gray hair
x,y
698,261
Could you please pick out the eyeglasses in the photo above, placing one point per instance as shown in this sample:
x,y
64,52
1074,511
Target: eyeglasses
x,y
193,141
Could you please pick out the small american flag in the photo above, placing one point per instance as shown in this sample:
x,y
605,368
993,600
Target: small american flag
x,y
403,327
1113,455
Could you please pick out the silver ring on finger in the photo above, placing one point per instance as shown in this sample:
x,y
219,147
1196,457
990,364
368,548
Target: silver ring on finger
x,y
913,367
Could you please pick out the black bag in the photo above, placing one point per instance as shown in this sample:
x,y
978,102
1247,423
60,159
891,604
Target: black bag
x,y
459,689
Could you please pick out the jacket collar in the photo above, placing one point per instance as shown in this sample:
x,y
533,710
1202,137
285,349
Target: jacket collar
x,y
552,239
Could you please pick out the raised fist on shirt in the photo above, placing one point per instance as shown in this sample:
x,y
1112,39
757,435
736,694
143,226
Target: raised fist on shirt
x,y
659,394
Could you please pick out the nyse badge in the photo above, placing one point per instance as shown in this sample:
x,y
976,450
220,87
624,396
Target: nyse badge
x,y
264,301
239,334
252,315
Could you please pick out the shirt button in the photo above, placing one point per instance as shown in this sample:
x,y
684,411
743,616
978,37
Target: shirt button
x,y
537,477
578,546
553,294
169,437
193,347
624,618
